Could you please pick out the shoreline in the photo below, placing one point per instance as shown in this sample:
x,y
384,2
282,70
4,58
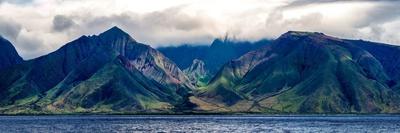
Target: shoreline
x,y
207,114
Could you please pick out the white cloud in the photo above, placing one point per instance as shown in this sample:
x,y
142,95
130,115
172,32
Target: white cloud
x,y
41,26
9,28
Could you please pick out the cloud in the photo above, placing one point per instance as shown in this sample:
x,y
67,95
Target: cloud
x,y
382,12
61,23
169,26
9,28
353,19
29,45
299,3
20,2
38,27
276,24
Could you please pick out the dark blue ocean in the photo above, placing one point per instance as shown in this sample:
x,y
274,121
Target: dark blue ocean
x,y
213,123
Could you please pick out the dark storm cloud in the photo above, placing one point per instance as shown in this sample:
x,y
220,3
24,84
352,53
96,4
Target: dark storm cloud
x,y
9,28
61,23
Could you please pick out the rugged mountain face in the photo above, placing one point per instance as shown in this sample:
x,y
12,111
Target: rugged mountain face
x,y
197,74
387,55
8,54
110,72
300,72
184,55
304,72
214,56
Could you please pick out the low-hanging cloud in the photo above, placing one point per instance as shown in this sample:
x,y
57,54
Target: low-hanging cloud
x,y
299,3
61,23
381,13
28,45
9,29
37,27
169,26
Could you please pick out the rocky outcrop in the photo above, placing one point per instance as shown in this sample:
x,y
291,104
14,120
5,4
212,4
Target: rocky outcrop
x,y
197,72
214,55
149,61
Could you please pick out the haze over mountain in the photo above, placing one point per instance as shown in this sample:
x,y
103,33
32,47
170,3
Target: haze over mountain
x,y
213,56
38,27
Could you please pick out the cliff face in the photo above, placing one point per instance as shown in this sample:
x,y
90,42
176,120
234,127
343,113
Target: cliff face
x,y
197,73
147,60
8,54
304,72
214,56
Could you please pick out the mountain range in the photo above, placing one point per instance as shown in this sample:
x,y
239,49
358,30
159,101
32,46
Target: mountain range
x,y
109,72
299,72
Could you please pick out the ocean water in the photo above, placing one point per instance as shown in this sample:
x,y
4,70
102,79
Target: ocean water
x,y
187,123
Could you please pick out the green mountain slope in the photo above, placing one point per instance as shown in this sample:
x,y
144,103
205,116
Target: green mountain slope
x,y
300,72
110,72
303,72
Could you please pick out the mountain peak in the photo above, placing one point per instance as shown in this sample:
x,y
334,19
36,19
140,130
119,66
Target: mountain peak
x,y
217,42
8,54
303,33
116,29
317,36
115,32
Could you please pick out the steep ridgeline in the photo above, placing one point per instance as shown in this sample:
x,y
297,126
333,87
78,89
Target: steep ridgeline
x,y
110,73
304,72
8,54
197,73
213,56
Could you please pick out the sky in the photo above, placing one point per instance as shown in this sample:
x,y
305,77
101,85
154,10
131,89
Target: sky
x,y
38,27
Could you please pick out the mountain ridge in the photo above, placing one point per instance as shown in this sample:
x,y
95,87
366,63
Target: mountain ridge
x,y
55,81
8,54
296,74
